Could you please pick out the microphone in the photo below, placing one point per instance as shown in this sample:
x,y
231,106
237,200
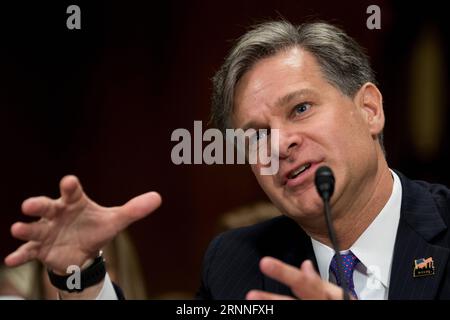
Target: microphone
x,y
324,181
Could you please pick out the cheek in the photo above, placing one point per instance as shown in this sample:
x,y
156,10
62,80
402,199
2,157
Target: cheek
x,y
346,130
351,145
341,137
265,181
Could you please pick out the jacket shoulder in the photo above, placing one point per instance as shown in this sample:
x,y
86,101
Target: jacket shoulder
x,y
440,195
438,191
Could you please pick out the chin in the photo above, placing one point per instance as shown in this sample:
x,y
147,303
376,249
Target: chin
x,y
302,206
305,212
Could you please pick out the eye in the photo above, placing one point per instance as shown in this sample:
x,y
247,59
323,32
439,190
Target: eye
x,y
259,135
302,107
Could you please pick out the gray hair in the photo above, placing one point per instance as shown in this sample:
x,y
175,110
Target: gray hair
x,y
341,59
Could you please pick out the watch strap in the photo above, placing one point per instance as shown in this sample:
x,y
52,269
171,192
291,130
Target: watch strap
x,y
88,277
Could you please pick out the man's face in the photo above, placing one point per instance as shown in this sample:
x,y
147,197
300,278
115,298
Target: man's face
x,y
318,124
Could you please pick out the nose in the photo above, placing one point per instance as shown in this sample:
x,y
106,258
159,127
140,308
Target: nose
x,y
288,144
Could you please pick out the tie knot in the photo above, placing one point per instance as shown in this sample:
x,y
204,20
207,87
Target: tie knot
x,y
349,262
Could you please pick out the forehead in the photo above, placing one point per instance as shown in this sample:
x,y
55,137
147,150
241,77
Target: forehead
x,y
271,78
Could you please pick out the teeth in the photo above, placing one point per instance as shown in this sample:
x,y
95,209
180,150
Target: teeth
x,y
299,170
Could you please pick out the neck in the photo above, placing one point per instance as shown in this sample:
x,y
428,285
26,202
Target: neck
x,y
352,220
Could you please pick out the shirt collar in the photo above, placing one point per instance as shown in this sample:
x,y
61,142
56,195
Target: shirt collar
x,y
375,247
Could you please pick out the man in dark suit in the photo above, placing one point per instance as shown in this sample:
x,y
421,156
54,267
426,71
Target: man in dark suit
x,y
314,84
231,266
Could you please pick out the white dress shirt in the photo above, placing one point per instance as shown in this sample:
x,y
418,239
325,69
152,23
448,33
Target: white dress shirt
x,y
107,292
374,249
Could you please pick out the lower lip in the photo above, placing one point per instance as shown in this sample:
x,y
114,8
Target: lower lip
x,y
304,178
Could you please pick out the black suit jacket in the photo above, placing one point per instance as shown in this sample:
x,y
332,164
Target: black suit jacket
x,y
231,263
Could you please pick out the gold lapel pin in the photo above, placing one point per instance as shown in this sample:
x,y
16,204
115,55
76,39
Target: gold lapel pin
x,y
423,267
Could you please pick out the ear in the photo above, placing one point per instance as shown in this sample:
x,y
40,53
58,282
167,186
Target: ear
x,y
370,102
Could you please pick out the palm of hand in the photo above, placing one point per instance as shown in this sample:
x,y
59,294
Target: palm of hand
x,y
73,228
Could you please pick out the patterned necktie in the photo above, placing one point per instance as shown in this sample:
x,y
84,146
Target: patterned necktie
x,y
350,261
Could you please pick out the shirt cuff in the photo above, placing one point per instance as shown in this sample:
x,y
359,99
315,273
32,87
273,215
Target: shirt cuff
x,y
107,292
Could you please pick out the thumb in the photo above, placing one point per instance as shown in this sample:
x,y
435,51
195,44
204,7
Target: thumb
x,y
139,207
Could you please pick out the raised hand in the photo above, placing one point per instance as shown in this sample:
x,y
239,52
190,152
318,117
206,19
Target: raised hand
x,y
72,228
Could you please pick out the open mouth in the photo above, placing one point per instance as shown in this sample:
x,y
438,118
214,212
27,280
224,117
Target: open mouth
x,y
294,174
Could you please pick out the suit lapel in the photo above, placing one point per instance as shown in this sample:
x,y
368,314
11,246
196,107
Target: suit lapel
x,y
420,222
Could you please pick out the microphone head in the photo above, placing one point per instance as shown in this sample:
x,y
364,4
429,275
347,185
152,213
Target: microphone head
x,y
324,181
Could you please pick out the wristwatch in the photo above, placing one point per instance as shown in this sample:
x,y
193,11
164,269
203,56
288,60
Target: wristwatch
x,y
77,280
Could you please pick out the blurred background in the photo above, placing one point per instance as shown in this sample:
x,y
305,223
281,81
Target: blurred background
x,y
102,102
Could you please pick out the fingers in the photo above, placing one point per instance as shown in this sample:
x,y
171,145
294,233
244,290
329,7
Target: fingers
x,y
280,271
70,188
315,287
71,191
39,207
262,295
139,207
23,254
30,231
312,286
305,282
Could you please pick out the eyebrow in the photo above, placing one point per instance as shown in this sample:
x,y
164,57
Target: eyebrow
x,y
286,99
282,101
